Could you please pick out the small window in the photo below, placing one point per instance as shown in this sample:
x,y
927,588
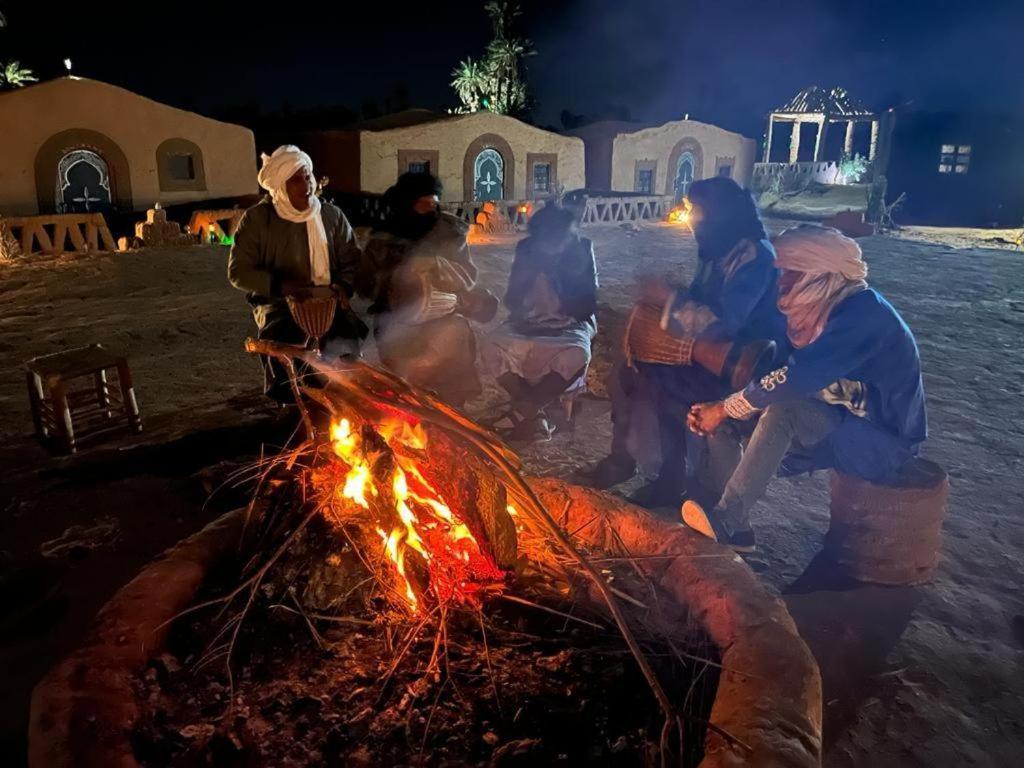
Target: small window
x,y
645,181
955,158
181,167
419,166
542,177
725,171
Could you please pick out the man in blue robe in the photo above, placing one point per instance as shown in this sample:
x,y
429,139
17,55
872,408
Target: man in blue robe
x,y
850,396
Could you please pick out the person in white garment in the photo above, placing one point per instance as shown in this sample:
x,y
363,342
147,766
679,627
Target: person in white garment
x,y
290,244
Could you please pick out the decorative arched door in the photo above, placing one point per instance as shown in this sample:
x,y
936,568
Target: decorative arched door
x,y
83,183
489,176
684,174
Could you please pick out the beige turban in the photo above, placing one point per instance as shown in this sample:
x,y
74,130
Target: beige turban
x,y
277,168
833,270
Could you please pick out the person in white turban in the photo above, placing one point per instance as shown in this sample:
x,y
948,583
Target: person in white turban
x,y
850,396
292,244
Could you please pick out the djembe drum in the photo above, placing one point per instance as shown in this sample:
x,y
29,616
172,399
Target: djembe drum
x,y
647,342
314,314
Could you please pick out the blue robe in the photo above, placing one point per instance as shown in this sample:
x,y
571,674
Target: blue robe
x,y
866,361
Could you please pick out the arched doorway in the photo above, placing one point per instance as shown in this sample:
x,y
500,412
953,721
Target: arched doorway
x,y
489,175
685,169
83,183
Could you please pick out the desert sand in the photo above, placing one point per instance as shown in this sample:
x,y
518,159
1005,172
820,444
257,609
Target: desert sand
x,y
926,676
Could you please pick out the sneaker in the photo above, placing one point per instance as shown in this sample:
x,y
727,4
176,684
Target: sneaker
x,y
695,517
612,470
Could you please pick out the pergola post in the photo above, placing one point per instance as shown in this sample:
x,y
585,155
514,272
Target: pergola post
x,y
848,143
874,140
819,141
794,142
768,144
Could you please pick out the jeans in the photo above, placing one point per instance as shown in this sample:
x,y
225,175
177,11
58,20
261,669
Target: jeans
x,y
803,423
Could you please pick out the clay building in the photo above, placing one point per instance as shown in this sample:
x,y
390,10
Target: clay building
x,y
662,159
73,144
478,157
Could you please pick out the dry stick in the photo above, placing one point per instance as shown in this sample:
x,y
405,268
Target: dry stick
x,y
487,659
485,443
553,611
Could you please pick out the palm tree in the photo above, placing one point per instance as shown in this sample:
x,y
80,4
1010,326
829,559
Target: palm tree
x,y
503,57
469,82
15,76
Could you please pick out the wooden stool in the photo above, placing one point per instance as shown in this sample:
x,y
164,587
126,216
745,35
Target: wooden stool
x,y
73,401
889,534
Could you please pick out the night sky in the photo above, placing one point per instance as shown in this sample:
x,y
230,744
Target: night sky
x,y
725,62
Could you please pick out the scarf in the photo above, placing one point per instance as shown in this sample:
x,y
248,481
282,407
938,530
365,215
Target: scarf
x,y
277,169
832,270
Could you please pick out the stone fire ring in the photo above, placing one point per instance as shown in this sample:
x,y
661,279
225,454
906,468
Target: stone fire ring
x,y
769,692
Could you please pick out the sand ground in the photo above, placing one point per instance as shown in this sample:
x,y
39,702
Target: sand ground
x,y
927,676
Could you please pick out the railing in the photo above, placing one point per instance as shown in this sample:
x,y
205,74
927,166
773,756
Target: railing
x,y
628,209
49,235
372,211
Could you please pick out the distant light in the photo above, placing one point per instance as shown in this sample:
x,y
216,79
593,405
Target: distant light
x,y
686,116
67,64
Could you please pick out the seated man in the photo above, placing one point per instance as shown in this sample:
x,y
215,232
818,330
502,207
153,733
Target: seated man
x,y
543,349
422,281
287,245
732,297
849,397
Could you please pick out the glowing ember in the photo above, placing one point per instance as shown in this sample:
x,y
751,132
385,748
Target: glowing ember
x,y
428,548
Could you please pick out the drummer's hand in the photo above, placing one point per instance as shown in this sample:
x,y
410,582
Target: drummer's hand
x,y
705,418
654,289
296,289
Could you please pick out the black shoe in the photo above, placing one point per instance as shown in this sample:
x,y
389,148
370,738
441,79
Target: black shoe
x,y
658,493
612,470
694,516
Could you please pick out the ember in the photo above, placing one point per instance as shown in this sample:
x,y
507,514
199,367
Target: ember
x,y
373,481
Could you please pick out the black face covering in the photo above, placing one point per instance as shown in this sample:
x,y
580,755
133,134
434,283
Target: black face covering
x,y
728,215
403,220
412,225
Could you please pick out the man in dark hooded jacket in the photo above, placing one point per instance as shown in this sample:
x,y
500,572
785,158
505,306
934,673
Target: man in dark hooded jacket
x,y
422,281
732,297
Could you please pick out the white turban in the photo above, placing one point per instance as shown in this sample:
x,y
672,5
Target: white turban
x,y
277,168
819,250
833,269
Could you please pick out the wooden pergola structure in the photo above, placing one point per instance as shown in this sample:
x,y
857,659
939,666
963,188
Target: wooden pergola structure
x,y
821,107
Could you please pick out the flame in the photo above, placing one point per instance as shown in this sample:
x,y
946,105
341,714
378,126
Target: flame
x,y
679,215
423,528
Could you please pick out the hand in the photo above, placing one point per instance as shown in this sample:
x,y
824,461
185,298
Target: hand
x,y
654,289
705,418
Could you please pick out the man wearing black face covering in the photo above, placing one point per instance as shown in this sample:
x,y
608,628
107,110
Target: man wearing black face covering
x,y
422,281
732,298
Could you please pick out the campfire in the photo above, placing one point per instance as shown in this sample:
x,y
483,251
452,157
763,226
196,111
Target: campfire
x,y
399,518
680,214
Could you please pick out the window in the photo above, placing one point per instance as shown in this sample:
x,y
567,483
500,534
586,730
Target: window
x,y
645,181
419,166
725,171
542,177
955,158
181,167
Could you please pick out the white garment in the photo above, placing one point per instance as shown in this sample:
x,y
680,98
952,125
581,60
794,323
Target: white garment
x,y
277,169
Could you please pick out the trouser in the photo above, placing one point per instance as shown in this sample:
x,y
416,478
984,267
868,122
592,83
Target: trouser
x,y
798,423
342,340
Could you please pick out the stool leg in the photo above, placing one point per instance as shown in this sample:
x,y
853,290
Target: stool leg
x,y
35,399
128,395
102,398
62,415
